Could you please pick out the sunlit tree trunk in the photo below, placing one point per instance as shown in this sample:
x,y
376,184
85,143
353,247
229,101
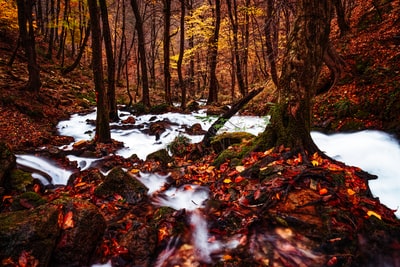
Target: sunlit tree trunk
x,y
27,37
212,56
307,44
103,134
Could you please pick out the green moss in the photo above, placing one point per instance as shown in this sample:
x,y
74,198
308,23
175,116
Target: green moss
x,y
160,155
179,146
159,109
223,141
27,200
20,180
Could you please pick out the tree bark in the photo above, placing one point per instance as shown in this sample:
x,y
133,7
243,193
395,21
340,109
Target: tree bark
x,y
103,134
27,36
112,104
213,54
234,22
166,45
142,53
291,118
80,54
181,52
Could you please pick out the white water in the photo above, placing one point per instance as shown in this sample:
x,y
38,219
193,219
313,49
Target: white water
x,y
373,151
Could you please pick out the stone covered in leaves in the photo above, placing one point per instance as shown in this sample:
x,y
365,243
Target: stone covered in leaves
x,y
82,228
120,183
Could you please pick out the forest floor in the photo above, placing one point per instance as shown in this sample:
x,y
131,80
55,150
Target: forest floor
x,y
262,191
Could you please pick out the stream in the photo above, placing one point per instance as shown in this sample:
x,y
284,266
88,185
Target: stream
x,y
373,151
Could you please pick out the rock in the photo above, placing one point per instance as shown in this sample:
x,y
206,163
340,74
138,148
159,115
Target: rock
x,y
27,200
193,106
223,141
140,241
160,155
7,161
19,181
82,228
129,120
32,232
195,129
120,183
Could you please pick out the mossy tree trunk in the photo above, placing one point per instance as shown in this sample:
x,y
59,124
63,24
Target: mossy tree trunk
x,y
291,117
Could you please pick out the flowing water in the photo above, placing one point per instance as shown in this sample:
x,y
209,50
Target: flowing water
x,y
373,151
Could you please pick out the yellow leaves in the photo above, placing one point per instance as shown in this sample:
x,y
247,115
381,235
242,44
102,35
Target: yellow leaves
x,y
373,213
134,171
227,181
316,159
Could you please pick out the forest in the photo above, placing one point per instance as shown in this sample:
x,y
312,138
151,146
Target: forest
x,y
273,198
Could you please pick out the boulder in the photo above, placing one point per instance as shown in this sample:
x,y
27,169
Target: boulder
x,y
223,141
7,161
140,242
29,235
120,183
82,227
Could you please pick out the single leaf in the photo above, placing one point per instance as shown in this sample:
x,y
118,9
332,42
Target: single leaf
x,y
227,181
239,179
240,168
350,192
373,213
323,191
68,221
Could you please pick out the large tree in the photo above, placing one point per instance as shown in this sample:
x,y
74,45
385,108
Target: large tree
x,y
103,134
308,41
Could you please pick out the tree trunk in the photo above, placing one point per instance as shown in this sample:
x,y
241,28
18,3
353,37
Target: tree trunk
x,y
142,53
112,104
80,54
234,22
167,41
307,44
213,54
103,134
181,52
27,36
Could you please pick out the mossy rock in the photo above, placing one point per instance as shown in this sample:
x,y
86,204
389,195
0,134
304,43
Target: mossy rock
x,y
27,200
227,154
225,140
20,180
160,155
119,182
34,231
179,146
